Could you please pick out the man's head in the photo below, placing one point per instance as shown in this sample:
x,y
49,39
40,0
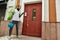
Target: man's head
x,y
18,7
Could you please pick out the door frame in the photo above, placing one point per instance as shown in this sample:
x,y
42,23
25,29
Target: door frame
x,y
32,2
24,16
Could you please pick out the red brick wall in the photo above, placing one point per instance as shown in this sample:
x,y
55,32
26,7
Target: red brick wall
x,y
4,30
49,31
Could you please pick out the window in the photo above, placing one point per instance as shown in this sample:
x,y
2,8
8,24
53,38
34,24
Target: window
x,y
2,11
33,14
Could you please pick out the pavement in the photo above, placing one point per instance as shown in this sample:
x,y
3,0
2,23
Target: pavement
x,y
21,37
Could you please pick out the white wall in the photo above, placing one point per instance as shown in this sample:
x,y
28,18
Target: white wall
x,y
11,3
45,11
58,10
42,10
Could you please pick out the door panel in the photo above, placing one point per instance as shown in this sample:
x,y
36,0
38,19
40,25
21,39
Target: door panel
x,y
33,20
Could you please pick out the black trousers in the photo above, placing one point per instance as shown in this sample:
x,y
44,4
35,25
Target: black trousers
x,y
10,30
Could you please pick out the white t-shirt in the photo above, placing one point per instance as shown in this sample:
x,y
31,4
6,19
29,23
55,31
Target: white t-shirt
x,y
16,15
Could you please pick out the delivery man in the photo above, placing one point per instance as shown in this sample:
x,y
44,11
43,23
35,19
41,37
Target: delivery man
x,y
15,19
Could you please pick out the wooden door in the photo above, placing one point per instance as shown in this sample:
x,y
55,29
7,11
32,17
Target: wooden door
x,y
33,19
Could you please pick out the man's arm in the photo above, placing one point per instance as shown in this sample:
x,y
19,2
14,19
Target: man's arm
x,y
21,14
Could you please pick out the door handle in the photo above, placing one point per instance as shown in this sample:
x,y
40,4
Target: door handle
x,y
27,24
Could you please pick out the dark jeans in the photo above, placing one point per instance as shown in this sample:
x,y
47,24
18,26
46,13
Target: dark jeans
x,y
10,31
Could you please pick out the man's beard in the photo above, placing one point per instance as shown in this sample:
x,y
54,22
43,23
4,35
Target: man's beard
x,y
18,9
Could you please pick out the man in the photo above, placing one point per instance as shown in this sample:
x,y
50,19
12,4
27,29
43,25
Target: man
x,y
15,19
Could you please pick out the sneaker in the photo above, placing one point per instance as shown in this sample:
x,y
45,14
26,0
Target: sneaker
x,y
9,37
17,37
